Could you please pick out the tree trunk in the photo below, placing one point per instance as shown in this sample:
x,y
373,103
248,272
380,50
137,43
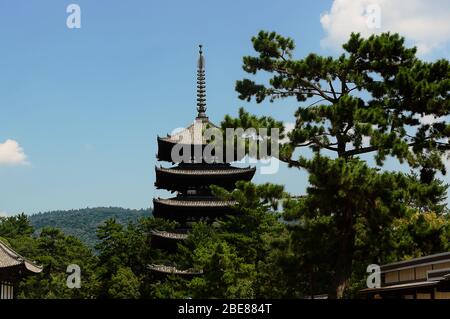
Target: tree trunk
x,y
343,268
311,283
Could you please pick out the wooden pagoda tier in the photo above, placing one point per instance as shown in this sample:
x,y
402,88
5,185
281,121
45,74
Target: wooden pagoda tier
x,y
185,177
194,139
168,270
168,239
191,208
176,234
191,137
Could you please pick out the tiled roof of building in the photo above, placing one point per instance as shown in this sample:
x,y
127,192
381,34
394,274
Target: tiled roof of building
x,y
194,202
401,286
174,270
193,134
170,235
434,272
9,258
213,171
441,257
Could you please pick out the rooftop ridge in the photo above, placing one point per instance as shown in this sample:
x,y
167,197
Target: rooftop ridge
x,y
418,260
174,270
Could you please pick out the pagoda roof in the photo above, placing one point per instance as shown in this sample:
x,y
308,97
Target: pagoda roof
x,y
191,207
169,234
192,139
193,134
173,270
206,170
10,258
194,202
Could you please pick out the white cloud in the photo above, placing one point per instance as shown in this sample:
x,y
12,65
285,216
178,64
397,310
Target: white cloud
x,y
288,127
11,153
425,23
3,214
430,119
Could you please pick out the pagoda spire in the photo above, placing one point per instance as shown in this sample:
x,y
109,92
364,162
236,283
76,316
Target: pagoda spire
x,y
201,89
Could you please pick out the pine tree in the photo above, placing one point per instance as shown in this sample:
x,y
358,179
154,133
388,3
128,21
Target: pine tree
x,y
370,99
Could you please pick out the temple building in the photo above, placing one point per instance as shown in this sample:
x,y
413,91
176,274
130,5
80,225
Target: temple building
x,y
190,179
13,267
419,278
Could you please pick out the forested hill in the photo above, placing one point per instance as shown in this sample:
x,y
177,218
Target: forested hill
x,y
83,223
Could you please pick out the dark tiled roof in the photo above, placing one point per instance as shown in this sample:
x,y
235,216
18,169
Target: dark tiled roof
x,y
417,261
195,202
438,274
173,270
206,171
400,286
9,258
170,235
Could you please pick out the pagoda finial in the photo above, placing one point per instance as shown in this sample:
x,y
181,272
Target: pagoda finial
x,y
201,90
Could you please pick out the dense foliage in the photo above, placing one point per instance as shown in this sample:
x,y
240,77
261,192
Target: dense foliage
x,y
54,251
119,270
251,254
83,223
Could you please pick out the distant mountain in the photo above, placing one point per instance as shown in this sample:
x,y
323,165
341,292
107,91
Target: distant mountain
x,y
83,223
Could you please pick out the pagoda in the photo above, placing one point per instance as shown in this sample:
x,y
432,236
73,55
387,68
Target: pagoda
x,y
190,180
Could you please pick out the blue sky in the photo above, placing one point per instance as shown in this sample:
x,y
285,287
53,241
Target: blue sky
x,y
85,105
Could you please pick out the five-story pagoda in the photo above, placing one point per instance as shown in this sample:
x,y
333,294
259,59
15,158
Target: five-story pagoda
x,y
191,179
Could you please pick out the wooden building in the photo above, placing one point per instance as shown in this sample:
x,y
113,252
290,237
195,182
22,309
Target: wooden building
x,y
419,278
13,267
190,179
